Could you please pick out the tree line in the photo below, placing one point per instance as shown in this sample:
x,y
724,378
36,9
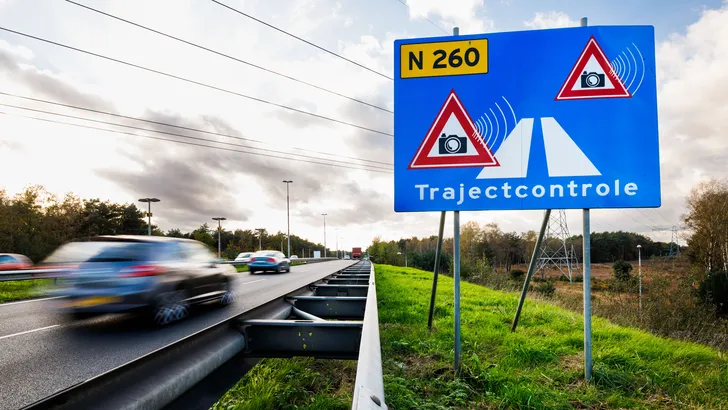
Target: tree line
x,y
487,246
34,223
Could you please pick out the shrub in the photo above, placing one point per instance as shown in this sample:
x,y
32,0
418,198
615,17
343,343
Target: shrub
x,y
713,291
621,270
547,289
516,274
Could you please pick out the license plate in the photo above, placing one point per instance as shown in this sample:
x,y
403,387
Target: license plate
x,y
95,301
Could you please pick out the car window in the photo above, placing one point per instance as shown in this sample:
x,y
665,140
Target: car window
x,y
6,259
196,252
128,252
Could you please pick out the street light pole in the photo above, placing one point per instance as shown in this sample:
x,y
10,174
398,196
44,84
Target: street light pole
x,y
337,243
324,234
288,216
639,264
219,231
260,238
149,212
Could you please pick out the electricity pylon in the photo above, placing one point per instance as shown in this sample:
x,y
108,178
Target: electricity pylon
x,y
554,250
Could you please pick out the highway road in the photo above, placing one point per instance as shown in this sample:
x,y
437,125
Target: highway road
x,y
43,351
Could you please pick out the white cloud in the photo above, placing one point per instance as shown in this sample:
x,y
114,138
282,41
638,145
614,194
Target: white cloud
x,y
466,14
550,19
693,104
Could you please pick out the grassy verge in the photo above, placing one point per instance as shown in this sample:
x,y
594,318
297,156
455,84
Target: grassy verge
x,y
539,366
22,289
293,384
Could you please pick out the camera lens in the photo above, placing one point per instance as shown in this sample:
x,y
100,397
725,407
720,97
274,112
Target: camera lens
x,y
452,145
592,80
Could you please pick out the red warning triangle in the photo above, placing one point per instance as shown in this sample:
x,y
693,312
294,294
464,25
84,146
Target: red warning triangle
x,y
592,77
453,141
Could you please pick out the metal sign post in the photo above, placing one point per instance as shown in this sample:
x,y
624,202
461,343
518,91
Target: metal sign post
x,y
436,270
531,268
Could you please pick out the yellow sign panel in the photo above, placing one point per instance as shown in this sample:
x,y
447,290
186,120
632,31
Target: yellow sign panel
x,y
460,57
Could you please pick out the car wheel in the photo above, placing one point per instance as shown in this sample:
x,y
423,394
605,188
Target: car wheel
x,y
278,269
229,296
252,272
170,307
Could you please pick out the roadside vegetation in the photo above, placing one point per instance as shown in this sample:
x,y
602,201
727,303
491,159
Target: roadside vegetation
x,y
538,366
23,289
35,222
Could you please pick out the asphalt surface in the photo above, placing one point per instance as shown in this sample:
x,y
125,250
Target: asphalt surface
x,y
43,351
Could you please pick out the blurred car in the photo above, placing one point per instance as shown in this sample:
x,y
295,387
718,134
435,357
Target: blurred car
x,y
158,276
244,257
269,261
294,256
14,261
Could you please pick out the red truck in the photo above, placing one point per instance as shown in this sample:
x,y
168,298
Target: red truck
x,y
356,253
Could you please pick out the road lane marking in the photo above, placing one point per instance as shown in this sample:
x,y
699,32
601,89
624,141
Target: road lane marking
x,y
28,301
252,281
28,331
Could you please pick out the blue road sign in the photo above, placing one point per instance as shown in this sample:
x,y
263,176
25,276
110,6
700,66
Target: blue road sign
x,y
558,118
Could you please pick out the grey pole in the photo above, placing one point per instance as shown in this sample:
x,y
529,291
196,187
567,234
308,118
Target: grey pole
x,y
456,278
531,268
456,269
639,264
587,285
587,298
260,238
288,217
436,269
324,234
149,212
219,233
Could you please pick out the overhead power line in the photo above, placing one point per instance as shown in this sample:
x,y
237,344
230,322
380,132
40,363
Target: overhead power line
x,y
323,117
190,143
76,107
183,136
425,17
303,40
230,57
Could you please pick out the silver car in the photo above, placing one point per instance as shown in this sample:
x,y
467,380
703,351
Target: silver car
x,y
158,276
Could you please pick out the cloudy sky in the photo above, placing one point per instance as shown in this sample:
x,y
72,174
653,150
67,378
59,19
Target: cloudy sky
x,y
339,158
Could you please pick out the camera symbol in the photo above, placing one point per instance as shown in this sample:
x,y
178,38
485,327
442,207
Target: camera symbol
x,y
452,144
592,80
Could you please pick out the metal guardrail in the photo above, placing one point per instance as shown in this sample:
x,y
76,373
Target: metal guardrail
x,y
32,274
369,383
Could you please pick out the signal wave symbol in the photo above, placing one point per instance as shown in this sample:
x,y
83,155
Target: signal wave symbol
x,y
630,66
490,134
563,157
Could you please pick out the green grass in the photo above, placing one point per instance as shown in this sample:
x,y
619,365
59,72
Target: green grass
x,y
22,289
539,366
293,384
